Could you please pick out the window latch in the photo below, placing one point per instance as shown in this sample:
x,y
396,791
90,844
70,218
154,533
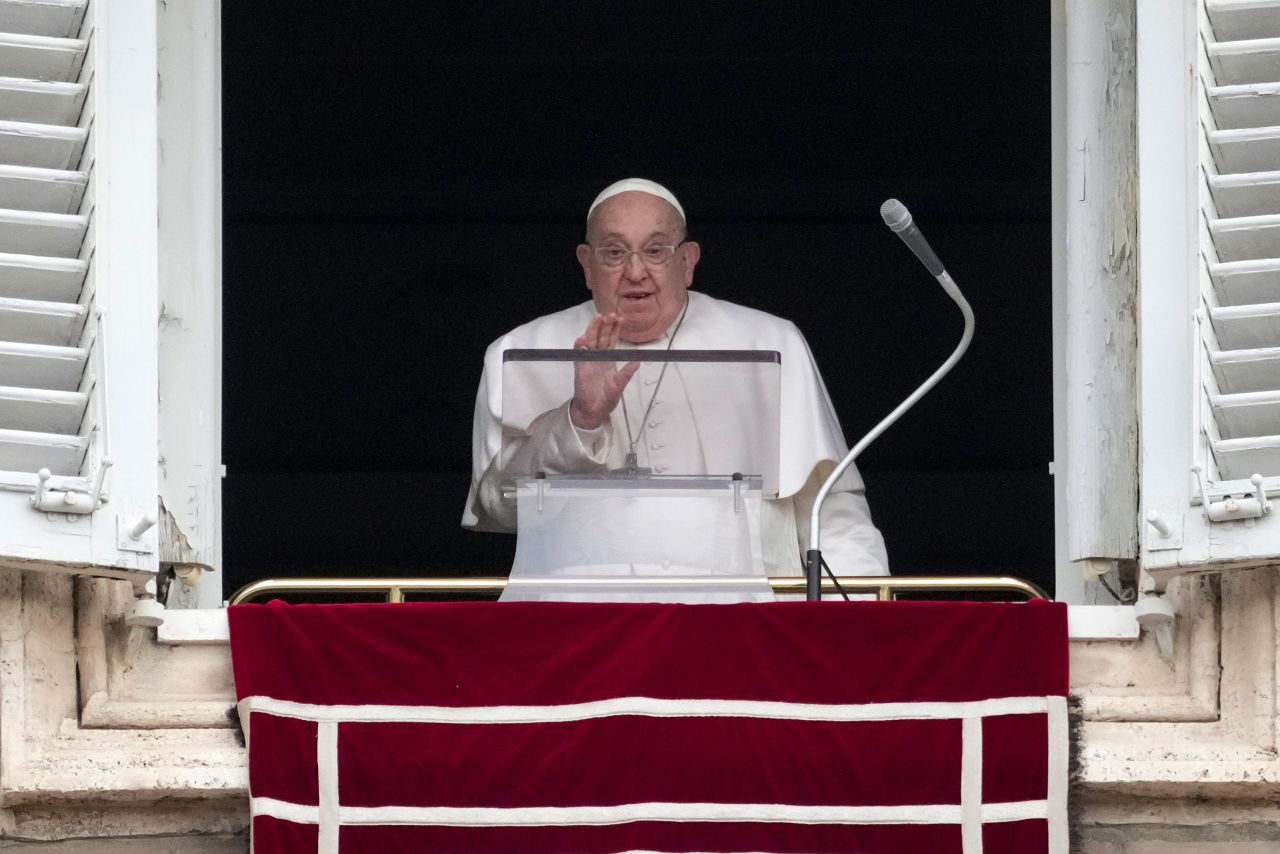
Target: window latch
x,y
1231,508
68,501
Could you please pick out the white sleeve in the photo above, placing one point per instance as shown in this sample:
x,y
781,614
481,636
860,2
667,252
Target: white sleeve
x,y
554,445
851,543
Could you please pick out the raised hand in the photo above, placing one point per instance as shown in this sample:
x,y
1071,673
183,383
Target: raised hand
x,y
598,386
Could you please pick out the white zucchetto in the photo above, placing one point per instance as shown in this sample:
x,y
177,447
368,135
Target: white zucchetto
x,y
637,185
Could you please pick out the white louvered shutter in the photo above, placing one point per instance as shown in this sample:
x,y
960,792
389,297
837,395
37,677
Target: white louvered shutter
x,y
77,281
1241,291
1209,160
43,398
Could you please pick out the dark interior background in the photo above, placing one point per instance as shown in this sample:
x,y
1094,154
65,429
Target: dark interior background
x,y
407,181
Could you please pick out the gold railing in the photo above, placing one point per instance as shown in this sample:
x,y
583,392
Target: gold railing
x,y
885,587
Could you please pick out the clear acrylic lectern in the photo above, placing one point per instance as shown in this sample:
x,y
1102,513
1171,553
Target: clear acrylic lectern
x,y
662,502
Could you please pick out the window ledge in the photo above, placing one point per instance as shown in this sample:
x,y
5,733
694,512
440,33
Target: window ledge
x,y
194,627
1102,623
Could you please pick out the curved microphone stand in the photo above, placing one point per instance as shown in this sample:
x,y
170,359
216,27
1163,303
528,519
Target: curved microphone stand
x,y
897,218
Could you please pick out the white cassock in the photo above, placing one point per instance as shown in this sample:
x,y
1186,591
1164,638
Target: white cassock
x,y
810,442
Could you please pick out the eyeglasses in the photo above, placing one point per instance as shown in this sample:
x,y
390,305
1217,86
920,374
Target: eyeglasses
x,y
653,255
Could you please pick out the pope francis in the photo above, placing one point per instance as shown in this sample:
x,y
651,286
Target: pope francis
x,y
638,264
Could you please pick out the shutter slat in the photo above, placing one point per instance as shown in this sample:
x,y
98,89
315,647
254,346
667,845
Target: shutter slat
x,y
1240,282
1245,149
1247,327
42,102
50,190
1246,238
41,57
23,450
1246,193
59,18
37,233
1249,105
1248,61
42,146
36,278
1247,370
28,321
41,366
1239,459
1247,415
1243,19
41,410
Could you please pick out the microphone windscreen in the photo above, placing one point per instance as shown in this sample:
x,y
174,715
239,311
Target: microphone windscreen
x,y
895,215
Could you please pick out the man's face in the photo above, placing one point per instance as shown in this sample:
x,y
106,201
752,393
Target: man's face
x,y
647,297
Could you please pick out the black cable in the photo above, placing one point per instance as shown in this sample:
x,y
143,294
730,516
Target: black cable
x,y
834,580
1113,593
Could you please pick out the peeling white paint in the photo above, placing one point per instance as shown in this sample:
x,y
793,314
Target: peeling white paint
x,y
190,320
1100,504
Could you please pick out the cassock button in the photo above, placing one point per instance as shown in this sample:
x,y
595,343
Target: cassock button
x,y
657,446
654,423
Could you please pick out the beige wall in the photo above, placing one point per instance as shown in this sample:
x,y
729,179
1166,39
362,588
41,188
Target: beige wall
x,y
104,732
107,733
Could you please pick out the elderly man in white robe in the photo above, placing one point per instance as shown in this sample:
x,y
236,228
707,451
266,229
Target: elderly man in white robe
x,y
638,264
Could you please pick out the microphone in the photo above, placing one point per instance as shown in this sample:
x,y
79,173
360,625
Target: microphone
x,y
898,218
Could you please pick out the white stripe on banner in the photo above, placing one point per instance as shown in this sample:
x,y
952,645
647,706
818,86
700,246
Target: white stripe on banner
x,y
971,785
327,771
1059,736
623,813
1001,811
649,707
284,810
